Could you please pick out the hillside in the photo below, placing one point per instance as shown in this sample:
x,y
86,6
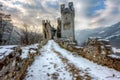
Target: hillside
x,y
111,33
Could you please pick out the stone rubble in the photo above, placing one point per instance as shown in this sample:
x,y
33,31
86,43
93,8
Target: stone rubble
x,y
13,66
97,50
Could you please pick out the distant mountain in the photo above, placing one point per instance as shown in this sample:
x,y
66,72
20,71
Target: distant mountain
x,y
16,36
10,34
111,33
82,35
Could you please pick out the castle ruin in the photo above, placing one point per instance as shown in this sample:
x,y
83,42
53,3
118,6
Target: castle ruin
x,y
65,27
48,30
67,21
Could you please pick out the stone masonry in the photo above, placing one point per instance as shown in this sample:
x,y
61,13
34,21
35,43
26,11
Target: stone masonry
x,y
48,30
97,50
67,21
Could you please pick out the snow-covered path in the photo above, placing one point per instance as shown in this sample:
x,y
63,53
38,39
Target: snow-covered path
x,y
56,63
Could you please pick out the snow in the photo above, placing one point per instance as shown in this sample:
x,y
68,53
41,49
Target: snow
x,y
101,72
114,56
101,32
103,40
6,50
25,53
32,51
49,63
116,53
115,50
26,49
35,46
8,46
112,36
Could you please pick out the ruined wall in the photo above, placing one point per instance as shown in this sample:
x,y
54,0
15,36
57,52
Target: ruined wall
x,y
48,30
95,50
67,21
13,67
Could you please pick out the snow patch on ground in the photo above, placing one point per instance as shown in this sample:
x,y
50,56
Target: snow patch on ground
x,y
115,50
26,49
25,53
114,56
101,72
48,66
6,50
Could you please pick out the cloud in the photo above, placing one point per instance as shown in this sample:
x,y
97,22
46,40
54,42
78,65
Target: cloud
x,y
88,13
109,15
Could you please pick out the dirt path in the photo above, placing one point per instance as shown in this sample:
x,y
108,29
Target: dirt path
x,y
51,65
48,66
73,69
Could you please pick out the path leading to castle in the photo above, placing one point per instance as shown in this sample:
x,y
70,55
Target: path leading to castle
x,y
56,63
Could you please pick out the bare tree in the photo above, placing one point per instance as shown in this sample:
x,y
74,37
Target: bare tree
x,y
35,34
24,37
30,35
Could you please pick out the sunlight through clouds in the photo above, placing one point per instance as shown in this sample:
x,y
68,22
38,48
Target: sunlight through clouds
x,y
88,13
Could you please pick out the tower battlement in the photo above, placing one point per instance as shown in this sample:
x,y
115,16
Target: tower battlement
x,y
45,22
69,9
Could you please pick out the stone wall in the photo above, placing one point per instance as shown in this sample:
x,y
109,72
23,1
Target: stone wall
x,y
98,52
13,67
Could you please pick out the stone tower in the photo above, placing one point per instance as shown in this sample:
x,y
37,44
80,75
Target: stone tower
x,y
67,21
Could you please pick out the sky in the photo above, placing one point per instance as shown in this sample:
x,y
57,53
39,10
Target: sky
x,y
89,14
